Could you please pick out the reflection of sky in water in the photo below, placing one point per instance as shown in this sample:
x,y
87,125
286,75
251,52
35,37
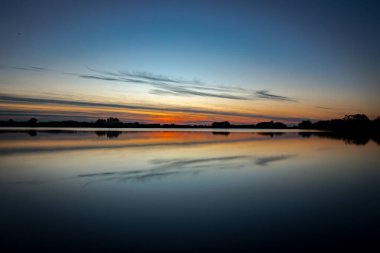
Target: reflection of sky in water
x,y
187,190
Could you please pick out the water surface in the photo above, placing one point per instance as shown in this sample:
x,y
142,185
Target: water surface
x,y
187,191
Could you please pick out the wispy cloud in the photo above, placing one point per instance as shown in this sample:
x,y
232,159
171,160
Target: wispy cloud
x,y
99,77
185,91
164,85
157,108
159,77
163,92
323,107
265,94
28,68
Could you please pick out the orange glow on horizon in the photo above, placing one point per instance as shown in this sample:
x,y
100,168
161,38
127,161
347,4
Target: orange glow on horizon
x,y
155,116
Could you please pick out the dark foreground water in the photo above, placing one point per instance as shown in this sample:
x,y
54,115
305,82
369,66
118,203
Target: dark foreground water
x,y
188,191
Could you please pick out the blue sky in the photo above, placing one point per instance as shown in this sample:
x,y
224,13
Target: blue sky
x,y
288,59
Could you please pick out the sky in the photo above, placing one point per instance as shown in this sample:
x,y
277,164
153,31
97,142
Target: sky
x,y
189,62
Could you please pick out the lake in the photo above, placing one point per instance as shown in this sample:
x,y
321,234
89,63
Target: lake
x,y
201,190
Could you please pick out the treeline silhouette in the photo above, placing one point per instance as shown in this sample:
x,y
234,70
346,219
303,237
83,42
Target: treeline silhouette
x,y
116,123
352,129
348,124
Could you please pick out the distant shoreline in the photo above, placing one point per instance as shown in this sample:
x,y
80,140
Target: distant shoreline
x,y
357,123
234,129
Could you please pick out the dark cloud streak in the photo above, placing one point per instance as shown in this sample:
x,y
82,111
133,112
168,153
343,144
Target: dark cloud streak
x,y
267,95
189,110
324,108
27,68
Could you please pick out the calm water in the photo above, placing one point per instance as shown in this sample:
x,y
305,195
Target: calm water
x,y
188,191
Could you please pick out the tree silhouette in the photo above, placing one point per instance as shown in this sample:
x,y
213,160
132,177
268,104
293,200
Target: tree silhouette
x,y
306,124
223,124
113,121
101,122
32,122
271,125
357,118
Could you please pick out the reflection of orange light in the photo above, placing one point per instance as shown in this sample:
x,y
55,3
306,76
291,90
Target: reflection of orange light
x,y
166,135
251,144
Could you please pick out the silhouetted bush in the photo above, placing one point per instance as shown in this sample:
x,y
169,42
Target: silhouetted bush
x,y
223,124
271,125
32,121
350,123
306,124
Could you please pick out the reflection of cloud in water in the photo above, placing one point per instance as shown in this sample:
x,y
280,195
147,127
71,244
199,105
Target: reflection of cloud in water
x,y
184,162
161,168
269,159
121,144
167,167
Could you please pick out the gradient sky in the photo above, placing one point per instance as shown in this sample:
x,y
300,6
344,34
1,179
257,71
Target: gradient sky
x,y
189,61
